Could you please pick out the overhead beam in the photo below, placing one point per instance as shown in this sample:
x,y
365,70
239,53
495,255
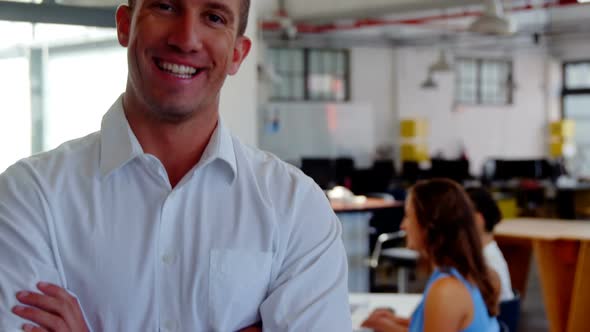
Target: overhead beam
x,y
312,11
57,14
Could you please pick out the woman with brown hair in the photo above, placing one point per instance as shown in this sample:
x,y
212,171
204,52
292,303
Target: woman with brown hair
x,y
460,294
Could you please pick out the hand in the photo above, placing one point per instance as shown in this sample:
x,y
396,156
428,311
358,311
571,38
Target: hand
x,y
54,310
383,320
253,328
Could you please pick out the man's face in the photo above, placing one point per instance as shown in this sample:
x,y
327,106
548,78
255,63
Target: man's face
x,y
180,52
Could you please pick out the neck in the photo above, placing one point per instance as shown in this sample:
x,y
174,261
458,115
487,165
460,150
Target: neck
x,y
487,238
178,146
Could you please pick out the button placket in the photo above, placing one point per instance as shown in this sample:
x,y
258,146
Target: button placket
x,y
168,260
170,325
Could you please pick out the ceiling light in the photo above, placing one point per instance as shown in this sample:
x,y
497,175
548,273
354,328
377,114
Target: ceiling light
x,y
493,21
441,65
429,83
583,1
267,73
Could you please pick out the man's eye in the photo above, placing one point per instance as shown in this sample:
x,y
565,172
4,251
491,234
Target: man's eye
x,y
215,19
164,7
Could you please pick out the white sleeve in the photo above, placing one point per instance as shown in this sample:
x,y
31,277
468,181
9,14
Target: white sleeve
x,y
26,255
310,292
495,260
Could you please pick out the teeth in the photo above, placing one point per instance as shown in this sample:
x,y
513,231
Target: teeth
x,y
177,69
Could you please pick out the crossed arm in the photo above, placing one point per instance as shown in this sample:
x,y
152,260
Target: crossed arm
x,y
52,309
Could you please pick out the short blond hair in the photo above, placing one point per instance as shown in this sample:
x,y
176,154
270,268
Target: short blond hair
x,y
243,19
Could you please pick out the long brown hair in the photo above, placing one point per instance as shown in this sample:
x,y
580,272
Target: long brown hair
x,y
446,215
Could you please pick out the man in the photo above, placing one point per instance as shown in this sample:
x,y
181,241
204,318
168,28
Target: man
x,y
487,216
163,221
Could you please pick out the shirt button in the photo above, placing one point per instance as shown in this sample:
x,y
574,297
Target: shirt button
x,y
169,325
168,258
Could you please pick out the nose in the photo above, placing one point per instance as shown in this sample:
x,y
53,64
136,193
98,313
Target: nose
x,y
185,35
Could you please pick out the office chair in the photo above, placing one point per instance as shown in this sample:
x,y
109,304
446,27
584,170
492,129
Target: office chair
x,y
510,313
343,169
321,170
403,258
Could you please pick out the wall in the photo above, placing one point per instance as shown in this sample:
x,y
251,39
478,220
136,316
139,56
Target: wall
x,y
369,118
575,48
318,130
239,94
388,81
373,83
515,131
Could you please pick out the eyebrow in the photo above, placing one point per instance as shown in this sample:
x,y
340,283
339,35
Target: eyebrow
x,y
216,5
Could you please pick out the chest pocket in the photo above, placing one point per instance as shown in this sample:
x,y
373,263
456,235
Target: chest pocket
x,y
238,282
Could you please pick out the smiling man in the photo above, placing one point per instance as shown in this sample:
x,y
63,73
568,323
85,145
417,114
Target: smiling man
x,y
162,220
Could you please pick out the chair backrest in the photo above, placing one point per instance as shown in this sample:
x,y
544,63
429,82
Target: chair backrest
x,y
510,313
455,169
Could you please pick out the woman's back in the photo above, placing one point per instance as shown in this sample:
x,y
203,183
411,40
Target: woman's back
x,y
481,320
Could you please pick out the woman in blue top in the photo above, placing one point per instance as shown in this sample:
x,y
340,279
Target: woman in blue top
x,y
461,294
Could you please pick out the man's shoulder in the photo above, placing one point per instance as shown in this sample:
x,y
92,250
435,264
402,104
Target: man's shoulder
x,y
58,160
261,161
492,250
494,257
281,184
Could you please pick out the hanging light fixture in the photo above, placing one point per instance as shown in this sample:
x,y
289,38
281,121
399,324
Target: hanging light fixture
x,y
441,64
429,82
493,21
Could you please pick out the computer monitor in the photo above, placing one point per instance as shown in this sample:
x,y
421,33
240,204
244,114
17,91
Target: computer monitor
x,y
321,170
522,169
455,169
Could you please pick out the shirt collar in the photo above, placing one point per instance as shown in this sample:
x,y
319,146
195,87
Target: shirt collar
x,y
119,145
220,147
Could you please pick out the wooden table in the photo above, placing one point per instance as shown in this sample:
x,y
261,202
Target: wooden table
x,y
362,304
354,218
370,204
562,253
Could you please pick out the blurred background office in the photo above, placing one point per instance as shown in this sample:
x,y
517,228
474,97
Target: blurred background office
x,y
368,95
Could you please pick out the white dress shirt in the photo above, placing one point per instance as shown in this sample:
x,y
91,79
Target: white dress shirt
x,y
496,261
242,238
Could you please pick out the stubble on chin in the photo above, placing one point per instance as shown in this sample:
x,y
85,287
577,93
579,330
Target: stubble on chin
x,y
171,114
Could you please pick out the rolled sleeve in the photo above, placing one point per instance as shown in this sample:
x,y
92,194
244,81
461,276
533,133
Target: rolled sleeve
x,y
310,292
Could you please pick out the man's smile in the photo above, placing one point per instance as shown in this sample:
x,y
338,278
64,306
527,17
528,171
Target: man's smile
x,y
178,70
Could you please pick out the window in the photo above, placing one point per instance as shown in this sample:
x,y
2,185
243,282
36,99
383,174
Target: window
x,y
310,74
73,109
15,117
576,105
483,81
289,65
57,82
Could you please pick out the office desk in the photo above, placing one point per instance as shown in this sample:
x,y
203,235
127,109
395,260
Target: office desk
x,y
355,235
573,201
362,304
370,204
562,253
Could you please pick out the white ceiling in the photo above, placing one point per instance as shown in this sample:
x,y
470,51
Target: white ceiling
x,y
552,22
423,22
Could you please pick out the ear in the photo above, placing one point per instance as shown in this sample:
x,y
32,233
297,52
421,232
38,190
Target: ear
x,y
123,17
480,222
241,50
